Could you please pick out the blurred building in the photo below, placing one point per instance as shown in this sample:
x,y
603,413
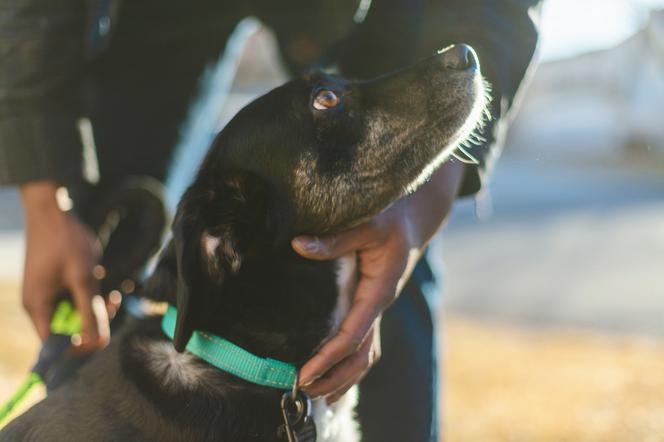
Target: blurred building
x,y
598,103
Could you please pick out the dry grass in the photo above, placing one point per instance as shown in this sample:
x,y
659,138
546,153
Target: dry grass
x,y
510,384
18,345
503,383
18,342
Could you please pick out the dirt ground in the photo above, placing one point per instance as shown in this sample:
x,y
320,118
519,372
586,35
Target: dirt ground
x,y
516,384
502,383
18,345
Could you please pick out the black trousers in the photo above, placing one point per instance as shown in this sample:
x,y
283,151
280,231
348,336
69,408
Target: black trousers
x,y
137,94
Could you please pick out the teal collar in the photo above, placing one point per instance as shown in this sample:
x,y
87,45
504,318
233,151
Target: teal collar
x,y
229,357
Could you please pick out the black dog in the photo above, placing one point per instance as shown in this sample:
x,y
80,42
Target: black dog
x,y
315,156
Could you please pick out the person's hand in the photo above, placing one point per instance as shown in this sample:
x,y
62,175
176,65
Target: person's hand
x,y
61,254
388,247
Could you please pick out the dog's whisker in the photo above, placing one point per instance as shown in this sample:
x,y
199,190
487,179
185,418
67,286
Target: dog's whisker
x,y
476,139
468,159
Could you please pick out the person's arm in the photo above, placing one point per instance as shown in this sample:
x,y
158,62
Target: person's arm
x,y
41,54
42,50
504,35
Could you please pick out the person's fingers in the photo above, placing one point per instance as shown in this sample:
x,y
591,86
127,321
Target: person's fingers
x,y
113,302
344,374
339,380
334,397
373,295
347,340
333,246
370,358
92,309
101,316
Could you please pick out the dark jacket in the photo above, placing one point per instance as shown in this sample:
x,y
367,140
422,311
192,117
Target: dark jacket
x,y
45,44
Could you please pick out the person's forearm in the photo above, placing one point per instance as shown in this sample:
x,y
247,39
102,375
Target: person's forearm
x,y
39,200
429,206
43,50
504,34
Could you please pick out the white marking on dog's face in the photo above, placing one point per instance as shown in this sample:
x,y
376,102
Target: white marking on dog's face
x,y
175,370
210,244
346,285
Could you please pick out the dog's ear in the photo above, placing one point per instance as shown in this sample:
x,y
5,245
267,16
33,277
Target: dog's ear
x,y
162,282
221,217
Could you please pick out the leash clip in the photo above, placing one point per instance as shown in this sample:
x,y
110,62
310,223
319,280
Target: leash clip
x,y
298,424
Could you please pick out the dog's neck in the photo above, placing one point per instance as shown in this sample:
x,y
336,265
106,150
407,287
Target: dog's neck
x,y
280,305
283,311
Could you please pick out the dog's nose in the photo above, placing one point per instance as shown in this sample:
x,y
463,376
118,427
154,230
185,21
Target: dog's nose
x,y
459,57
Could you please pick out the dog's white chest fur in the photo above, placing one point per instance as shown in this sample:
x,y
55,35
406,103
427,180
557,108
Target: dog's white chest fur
x,y
336,423
346,284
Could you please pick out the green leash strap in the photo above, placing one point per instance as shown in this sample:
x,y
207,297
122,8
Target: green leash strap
x,y
65,321
216,351
229,357
20,394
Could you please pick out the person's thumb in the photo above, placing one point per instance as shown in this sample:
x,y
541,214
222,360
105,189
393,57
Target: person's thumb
x,y
337,245
95,329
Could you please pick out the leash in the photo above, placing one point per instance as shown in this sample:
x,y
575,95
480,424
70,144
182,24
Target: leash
x,y
128,219
65,322
18,397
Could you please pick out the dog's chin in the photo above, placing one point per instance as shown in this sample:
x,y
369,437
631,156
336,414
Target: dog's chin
x,y
477,114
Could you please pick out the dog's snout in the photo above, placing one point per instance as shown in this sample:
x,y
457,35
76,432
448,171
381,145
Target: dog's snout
x,y
459,57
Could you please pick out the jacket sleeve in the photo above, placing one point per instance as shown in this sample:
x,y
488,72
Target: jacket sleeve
x,y
503,32
41,52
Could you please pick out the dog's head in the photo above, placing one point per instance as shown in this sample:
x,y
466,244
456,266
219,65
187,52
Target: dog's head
x,y
317,155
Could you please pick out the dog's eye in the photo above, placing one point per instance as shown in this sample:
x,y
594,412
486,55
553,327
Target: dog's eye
x,y
325,99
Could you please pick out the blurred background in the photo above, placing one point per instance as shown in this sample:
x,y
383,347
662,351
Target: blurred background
x,y
553,305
